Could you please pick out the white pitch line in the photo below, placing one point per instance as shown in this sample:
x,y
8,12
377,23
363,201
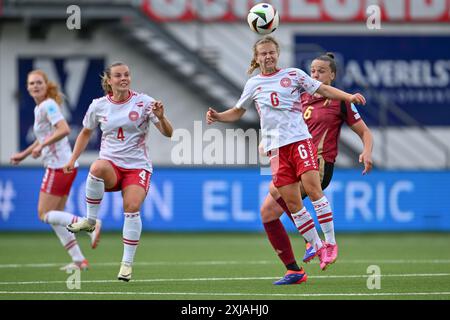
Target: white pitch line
x,y
231,278
74,292
153,263
230,262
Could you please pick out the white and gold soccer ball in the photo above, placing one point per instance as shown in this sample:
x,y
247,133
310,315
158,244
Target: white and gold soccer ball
x,y
263,18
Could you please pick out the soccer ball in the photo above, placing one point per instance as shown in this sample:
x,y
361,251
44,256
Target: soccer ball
x,y
263,18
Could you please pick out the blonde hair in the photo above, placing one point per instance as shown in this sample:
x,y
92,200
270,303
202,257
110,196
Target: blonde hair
x,y
52,88
266,39
107,75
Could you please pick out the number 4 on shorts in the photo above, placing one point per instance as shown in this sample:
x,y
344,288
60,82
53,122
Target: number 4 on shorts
x,y
143,175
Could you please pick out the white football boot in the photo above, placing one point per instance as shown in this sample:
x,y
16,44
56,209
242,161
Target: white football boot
x,y
82,225
124,272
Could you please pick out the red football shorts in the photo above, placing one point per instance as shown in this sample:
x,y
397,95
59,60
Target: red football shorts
x,y
289,162
57,183
127,177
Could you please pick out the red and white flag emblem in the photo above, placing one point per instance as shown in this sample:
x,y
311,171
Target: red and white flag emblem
x,y
285,82
133,115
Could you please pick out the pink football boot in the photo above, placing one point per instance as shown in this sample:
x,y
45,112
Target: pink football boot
x,y
330,253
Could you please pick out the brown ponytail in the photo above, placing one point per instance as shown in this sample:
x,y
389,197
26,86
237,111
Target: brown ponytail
x,y
329,57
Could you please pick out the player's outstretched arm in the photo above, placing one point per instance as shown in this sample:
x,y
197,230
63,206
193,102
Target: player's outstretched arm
x,y
231,115
80,146
19,156
164,126
364,133
62,130
336,94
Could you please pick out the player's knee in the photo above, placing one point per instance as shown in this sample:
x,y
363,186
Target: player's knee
x,y
42,215
97,170
315,194
293,205
273,191
314,191
270,211
266,213
132,206
312,186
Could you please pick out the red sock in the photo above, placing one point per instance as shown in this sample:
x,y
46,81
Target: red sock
x,y
280,241
283,204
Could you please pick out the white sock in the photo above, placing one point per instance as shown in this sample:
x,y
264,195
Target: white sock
x,y
69,242
95,188
325,218
305,224
132,228
60,218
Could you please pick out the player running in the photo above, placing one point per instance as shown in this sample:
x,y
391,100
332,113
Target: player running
x,y
124,164
285,137
51,131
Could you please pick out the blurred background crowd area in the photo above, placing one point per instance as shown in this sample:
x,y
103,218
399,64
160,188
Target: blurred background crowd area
x,y
192,54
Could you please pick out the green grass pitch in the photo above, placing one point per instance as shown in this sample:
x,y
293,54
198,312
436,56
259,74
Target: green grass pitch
x,y
226,266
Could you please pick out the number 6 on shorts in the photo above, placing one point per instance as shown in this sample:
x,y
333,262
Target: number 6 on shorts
x,y
302,152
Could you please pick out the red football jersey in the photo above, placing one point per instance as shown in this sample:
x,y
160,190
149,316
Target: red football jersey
x,y
324,122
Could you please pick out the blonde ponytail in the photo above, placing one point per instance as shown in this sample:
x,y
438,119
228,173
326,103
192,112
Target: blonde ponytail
x,y
253,66
107,75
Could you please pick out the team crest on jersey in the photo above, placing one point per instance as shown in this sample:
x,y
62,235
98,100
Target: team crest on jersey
x,y
133,115
285,82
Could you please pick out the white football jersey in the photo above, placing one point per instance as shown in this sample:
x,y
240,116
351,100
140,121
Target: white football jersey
x,y
124,126
277,100
46,115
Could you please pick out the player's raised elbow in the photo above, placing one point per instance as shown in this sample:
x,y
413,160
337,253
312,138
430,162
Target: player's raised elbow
x,y
67,131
